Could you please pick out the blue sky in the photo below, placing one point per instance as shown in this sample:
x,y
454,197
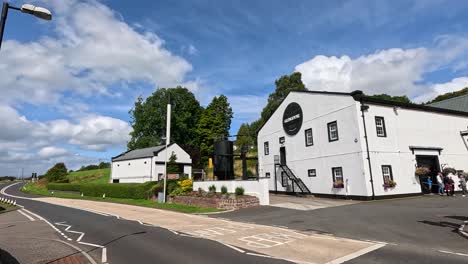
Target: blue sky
x,y
68,84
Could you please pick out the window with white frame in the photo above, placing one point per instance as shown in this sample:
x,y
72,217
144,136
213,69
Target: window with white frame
x,y
332,131
380,126
266,148
387,173
337,175
309,140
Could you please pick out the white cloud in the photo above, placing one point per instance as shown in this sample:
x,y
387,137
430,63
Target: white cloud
x,y
93,49
247,108
52,152
441,88
394,71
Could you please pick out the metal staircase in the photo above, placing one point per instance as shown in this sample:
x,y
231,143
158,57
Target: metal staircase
x,y
294,179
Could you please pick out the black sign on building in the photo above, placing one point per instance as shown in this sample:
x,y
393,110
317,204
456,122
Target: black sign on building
x,y
292,119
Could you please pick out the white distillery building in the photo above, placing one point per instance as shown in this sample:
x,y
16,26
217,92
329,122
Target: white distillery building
x,y
348,144
147,164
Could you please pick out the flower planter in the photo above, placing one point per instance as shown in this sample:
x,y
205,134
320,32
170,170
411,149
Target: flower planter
x,y
338,185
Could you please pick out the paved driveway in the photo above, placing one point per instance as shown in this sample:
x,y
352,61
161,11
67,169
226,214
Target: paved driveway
x,y
306,203
416,228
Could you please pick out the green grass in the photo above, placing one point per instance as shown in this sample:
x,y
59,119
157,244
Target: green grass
x,y
41,190
6,207
90,176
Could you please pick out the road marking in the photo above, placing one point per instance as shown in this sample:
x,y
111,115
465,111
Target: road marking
x,y
104,255
356,254
272,239
233,247
79,250
71,231
29,217
90,244
453,253
56,229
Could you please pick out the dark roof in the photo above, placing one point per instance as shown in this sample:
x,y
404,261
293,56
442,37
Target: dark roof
x,y
361,97
459,103
139,153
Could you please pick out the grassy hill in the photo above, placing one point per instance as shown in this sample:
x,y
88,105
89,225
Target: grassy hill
x,y
90,176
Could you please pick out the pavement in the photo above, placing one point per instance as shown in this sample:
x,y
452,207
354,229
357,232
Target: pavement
x,y
145,235
306,203
26,239
415,230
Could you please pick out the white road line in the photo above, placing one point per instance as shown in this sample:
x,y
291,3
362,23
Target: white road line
x,y
104,255
271,257
29,217
90,244
356,254
71,231
56,229
453,253
233,247
79,250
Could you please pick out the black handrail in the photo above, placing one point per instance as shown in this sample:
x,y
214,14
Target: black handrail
x,y
294,179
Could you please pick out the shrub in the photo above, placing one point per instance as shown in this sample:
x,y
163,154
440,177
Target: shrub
x,y
64,187
118,190
171,185
57,172
212,188
239,191
186,186
422,171
223,189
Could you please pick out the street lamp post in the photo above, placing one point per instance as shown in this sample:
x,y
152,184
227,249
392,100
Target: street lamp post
x,y
36,11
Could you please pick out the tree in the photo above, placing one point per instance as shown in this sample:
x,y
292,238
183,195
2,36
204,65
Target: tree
x,y
172,166
245,136
104,165
214,123
284,85
149,118
400,99
57,173
449,95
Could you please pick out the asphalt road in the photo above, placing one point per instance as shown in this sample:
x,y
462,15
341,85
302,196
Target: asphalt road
x,y
130,242
417,230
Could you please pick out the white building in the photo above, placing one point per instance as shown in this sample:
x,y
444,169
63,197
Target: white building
x,y
320,139
147,164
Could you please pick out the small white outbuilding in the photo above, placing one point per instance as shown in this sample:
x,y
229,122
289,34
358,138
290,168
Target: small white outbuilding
x,y
147,164
348,144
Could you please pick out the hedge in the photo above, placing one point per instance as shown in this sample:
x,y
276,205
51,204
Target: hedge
x,y
115,190
64,187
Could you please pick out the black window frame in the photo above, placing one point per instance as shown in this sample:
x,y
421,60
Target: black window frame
x,y
391,172
383,126
333,174
282,140
267,175
266,148
329,132
314,172
312,136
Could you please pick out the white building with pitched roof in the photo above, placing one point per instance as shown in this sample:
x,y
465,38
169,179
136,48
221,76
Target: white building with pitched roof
x,y
147,164
348,144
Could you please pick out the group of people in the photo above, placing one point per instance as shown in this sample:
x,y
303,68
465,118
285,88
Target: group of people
x,y
447,184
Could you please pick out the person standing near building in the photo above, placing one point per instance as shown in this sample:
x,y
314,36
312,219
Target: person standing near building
x,y
440,183
451,185
429,184
462,181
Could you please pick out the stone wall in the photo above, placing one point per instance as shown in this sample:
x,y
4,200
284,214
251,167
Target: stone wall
x,y
216,202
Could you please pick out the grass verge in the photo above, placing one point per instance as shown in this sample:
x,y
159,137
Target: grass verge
x,y
6,207
42,190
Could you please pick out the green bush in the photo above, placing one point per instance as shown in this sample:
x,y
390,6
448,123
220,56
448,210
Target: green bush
x,y
212,188
57,172
223,189
239,191
115,190
64,187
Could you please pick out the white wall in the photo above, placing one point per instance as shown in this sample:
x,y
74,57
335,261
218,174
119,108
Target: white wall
x,y
137,170
252,187
318,111
147,169
406,127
